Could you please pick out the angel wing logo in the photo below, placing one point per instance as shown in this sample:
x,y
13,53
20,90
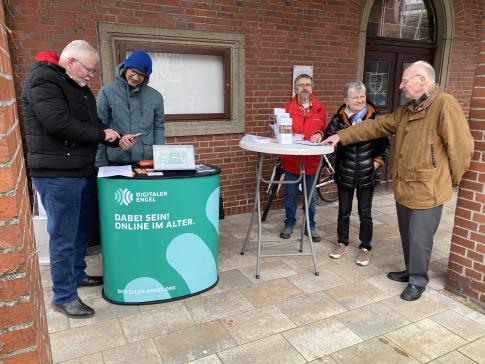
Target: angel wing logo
x,y
123,196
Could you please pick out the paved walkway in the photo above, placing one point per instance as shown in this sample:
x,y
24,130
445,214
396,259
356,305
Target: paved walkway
x,y
348,314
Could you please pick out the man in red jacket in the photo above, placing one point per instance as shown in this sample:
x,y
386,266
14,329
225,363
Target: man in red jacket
x,y
308,116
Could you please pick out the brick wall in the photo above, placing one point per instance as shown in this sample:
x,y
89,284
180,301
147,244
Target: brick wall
x,y
279,34
23,328
466,267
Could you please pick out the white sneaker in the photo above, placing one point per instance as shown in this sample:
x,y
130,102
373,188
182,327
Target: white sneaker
x,y
339,250
363,257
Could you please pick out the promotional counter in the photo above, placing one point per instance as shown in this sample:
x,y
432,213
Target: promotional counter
x,y
159,235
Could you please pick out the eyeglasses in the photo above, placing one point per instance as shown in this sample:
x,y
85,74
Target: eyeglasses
x,y
405,81
134,72
90,71
357,98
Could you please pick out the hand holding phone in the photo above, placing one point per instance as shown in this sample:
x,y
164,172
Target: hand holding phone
x,y
133,137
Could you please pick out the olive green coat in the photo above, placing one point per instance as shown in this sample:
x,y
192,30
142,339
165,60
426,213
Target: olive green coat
x,y
433,148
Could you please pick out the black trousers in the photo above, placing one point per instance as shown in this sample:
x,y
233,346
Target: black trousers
x,y
364,203
417,229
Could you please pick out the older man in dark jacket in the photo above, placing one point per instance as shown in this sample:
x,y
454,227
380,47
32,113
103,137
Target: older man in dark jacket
x,y
62,131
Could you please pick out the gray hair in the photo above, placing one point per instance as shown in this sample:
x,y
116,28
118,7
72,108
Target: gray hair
x,y
426,70
299,77
78,49
351,86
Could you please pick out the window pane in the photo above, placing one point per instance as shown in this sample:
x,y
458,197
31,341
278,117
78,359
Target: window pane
x,y
189,83
376,80
404,19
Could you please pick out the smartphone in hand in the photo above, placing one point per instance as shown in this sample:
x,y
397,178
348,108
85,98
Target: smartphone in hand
x,y
134,137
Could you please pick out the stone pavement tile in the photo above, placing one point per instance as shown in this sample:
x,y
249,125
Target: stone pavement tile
x,y
378,350
437,280
147,324
321,338
457,304
217,306
256,324
389,263
267,293
415,310
454,357
90,293
425,340
231,280
324,359
353,272
56,321
477,317
96,358
269,350
104,311
309,308
194,342
86,340
460,325
372,320
211,359
140,352
45,278
475,350
270,268
389,287
310,283
234,260
355,294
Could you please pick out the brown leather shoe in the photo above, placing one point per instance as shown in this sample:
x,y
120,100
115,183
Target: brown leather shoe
x,y
75,308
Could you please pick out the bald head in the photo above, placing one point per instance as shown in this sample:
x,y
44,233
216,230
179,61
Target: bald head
x,y
418,79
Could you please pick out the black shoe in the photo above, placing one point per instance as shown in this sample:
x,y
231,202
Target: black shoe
x,y
412,292
75,308
91,281
401,276
315,237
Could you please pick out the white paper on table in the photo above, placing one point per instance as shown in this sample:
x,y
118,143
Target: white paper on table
x,y
109,171
305,142
256,139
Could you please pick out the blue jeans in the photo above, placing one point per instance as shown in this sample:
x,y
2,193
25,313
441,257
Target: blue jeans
x,y
68,203
290,200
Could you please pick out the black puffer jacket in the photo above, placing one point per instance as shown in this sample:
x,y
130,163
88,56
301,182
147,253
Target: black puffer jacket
x,y
61,125
354,163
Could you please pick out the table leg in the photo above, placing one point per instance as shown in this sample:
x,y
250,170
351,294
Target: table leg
x,y
307,200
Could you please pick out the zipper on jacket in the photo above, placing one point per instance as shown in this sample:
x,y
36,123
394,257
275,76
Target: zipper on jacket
x,y
433,158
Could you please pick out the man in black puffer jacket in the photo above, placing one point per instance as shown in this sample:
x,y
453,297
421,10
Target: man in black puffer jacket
x,y
356,170
62,131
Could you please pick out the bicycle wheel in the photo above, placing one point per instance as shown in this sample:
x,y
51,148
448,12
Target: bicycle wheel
x,y
326,187
273,189
272,195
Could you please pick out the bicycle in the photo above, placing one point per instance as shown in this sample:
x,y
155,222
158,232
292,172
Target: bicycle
x,y
325,187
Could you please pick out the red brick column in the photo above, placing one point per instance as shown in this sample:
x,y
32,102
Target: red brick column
x,y
466,267
23,328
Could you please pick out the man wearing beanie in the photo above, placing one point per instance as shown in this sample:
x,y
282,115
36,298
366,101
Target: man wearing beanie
x,y
131,107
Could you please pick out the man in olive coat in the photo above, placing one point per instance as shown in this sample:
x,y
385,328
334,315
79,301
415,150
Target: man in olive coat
x,y
433,149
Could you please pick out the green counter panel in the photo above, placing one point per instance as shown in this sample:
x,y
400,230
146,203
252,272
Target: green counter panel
x,y
159,237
